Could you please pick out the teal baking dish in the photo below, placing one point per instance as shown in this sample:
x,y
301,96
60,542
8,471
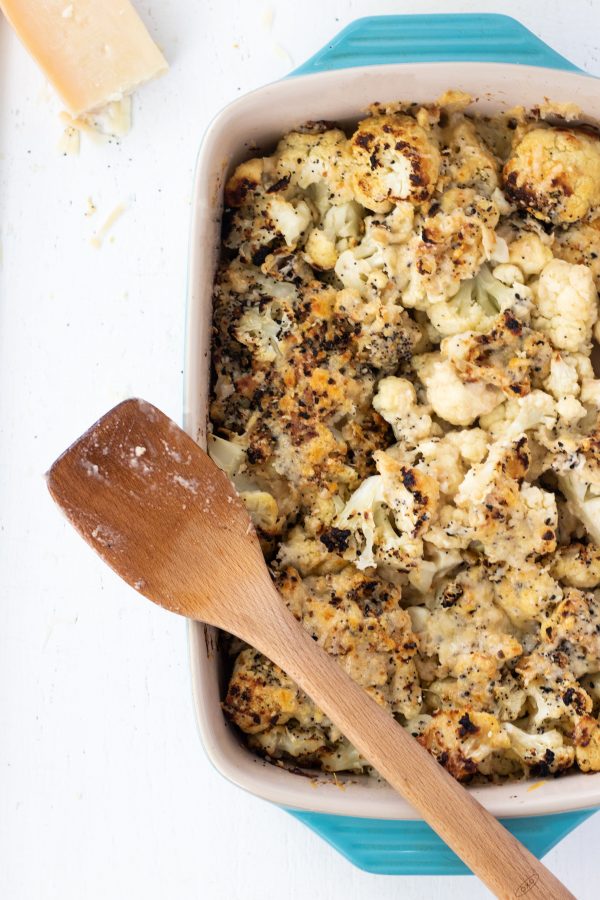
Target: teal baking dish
x,y
403,55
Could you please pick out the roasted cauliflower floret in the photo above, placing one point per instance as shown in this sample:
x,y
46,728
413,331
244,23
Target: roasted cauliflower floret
x,y
580,245
340,228
577,565
467,160
529,253
394,159
583,501
541,754
476,305
260,694
358,619
260,332
508,517
555,698
479,685
411,493
464,741
510,356
271,222
465,630
378,263
388,515
308,747
383,333
452,398
573,629
556,703
515,417
438,457
525,592
472,444
249,180
577,461
317,163
566,305
470,638
291,356
312,555
554,174
586,738
396,401
281,720
455,237
563,384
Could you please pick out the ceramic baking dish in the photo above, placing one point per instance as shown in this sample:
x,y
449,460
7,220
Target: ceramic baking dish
x,y
257,120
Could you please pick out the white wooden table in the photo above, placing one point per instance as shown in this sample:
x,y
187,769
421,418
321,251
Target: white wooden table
x,y
104,788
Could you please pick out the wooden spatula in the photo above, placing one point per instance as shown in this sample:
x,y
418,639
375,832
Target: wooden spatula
x,y
168,521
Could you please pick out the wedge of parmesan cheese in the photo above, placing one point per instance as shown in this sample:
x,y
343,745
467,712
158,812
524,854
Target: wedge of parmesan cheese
x,y
92,51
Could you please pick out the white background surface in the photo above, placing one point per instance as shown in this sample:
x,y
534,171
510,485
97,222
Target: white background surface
x,y
104,788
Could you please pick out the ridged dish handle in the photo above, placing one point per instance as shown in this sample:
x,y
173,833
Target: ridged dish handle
x,y
466,37
386,847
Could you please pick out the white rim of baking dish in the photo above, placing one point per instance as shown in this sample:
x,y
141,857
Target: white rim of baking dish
x,y
258,119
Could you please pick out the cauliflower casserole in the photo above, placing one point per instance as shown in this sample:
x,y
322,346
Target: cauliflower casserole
x,y
403,396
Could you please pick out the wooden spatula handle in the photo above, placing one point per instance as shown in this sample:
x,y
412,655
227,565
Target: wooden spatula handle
x,y
490,851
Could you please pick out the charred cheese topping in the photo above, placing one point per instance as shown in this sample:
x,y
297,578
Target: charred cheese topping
x,y
403,396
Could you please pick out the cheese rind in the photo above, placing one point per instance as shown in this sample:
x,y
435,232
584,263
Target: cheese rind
x,y
92,51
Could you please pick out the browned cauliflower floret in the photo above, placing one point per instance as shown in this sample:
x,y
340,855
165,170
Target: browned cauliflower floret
x,y
280,720
577,461
580,245
394,159
396,401
573,631
316,162
494,506
311,554
412,494
387,516
476,304
586,738
384,335
554,174
452,397
478,684
249,180
260,695
465,631
466,160
264,212
312,748
541,754
463,741
438,457
577,565
376,266
510,356
554,697
524,592
358,620
455,237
